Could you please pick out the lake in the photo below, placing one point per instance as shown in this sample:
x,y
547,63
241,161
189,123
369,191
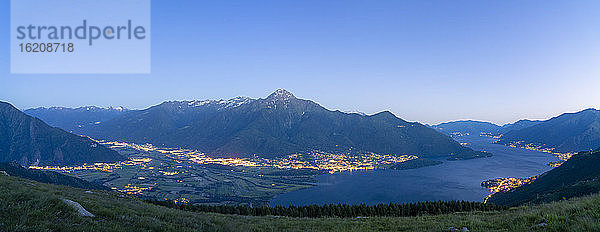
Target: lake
x,y
452,180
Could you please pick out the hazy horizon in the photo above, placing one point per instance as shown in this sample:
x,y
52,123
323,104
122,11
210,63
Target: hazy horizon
x,y
429,62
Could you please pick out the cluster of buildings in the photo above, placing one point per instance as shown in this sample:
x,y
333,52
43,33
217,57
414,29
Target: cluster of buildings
x,y
332,163
317,160
541,148
170,163
505,184
182,155
103,167
134,190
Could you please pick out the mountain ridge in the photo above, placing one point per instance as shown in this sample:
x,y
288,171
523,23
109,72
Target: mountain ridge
x,y
568,132
29,141
71,119
518,125
467,126
273,126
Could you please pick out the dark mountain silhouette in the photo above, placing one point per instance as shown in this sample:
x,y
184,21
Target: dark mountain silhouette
x,y
579,176
468,126
570,132
73,119
518,125
277,125
29,141
478,127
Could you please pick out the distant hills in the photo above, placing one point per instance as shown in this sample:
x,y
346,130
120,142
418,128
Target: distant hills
x,y
579,176
71,119
49,177
29,141
569,132
518,125
467,126
277,125
477,127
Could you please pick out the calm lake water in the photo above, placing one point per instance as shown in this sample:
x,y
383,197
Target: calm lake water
x,y
452,180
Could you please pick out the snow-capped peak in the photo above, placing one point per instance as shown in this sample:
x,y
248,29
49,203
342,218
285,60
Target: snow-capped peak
x,y
83,108
118,108
355,112
231,103
281,94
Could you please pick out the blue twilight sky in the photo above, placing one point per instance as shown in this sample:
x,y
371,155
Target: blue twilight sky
x,y
426,61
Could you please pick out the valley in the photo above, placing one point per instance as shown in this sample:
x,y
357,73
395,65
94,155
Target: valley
x,y
189,176
239,165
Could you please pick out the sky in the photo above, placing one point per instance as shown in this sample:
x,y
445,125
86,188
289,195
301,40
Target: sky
x,y
426,61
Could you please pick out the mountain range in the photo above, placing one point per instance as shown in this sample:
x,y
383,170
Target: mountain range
x,y
467,126
477,127
569,132
518,125
274,126
73,119
30,141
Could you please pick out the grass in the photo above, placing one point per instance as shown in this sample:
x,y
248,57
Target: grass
x,y
32,206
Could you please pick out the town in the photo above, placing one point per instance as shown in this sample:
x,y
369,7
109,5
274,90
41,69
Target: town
x,y
542,148
505,184
186,175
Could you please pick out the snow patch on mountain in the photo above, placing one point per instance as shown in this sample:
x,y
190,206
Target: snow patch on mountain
x,y
224,104
83,108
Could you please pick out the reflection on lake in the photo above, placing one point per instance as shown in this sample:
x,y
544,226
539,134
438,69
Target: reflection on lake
x,y
452,180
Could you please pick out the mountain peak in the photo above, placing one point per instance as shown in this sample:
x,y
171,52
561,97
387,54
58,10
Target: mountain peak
x,y
281,94
590,110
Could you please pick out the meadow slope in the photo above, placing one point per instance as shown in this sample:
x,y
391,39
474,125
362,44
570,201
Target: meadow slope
x,y
32,206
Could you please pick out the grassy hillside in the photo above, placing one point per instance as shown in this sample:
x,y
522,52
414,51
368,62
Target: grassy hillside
x,y
33,206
